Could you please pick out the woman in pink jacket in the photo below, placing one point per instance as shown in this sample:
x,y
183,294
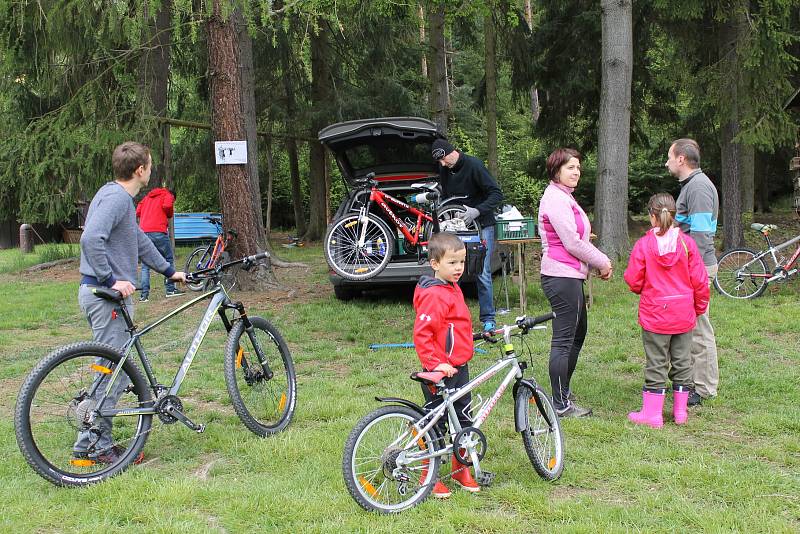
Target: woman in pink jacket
x,y
666,270
567,256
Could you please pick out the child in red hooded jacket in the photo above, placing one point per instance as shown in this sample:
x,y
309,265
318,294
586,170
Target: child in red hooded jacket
x,y
666,270
443,336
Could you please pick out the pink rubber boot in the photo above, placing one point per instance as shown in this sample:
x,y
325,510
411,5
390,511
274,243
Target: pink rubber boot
x,y
650,414
680,398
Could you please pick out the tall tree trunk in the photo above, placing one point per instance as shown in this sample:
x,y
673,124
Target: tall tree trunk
x,y
297,187
227,124
536,109
491,91
154,86
611,194
320,82
731,158
270,181
748,152
762,184
440,94
796,178
424,57
248,87
748,178
291,143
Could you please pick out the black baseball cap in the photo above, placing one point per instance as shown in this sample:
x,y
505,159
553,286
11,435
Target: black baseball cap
x,y
440,148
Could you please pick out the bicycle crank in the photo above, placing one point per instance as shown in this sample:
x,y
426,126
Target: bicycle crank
x,y
467,441
170,410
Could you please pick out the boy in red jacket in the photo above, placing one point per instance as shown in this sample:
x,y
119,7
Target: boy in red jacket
x,y
666,270
443,336
154,212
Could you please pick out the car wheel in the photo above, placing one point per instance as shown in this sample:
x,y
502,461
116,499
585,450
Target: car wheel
x,y
345,293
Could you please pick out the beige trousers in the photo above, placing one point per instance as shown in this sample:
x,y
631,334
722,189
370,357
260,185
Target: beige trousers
x,y
704,350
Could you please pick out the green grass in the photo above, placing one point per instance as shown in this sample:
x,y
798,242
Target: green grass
x,y
734,467
12,260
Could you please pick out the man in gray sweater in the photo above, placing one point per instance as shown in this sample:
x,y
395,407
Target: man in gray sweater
x,y
697,209
111,246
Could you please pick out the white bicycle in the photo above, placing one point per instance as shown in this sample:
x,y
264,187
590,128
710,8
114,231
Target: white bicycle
x,y
392,456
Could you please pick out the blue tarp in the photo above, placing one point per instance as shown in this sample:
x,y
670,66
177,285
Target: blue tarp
x,y
195,226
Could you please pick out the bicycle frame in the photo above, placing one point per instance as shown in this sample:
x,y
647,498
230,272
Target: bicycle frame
x,y
383,200
216,249
219,302
771,250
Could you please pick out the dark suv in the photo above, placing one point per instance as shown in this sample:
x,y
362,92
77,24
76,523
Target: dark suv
x,y
398,151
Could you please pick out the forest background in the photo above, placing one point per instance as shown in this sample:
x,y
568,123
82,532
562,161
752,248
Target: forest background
x,y
506,80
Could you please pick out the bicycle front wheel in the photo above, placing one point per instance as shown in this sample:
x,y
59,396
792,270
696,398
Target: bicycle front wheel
x,y
352,259
198,259
741,275
57,428
378,443
543,439
260,377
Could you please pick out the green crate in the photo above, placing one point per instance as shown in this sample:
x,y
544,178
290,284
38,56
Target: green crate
x,y
518,229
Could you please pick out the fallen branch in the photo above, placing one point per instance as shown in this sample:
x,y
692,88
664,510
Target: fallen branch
x,y
43,266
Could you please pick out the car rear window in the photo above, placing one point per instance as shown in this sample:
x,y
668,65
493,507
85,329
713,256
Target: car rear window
x,y
389,152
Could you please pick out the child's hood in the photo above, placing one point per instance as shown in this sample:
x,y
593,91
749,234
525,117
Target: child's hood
x,y
667,248
158,192
426,281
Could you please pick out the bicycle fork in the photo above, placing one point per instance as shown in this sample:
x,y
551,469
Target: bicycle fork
x,y
363,219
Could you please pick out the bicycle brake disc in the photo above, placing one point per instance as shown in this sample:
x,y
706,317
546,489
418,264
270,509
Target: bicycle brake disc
x,y
466,439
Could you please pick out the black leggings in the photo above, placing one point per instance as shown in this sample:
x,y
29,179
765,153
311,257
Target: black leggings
x,y
569,330
432,401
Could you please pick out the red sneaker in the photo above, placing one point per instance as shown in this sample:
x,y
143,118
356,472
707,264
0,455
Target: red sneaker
x,y
440,491
463,477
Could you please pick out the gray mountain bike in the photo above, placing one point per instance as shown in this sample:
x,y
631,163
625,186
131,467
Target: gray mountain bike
x,y
96,395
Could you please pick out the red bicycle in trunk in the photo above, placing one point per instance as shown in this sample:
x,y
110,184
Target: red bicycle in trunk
x,y
360,244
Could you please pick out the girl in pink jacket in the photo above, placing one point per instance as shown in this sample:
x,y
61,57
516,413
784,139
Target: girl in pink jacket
x,y
666,270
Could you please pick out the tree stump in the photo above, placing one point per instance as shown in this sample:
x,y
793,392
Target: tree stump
x,y
26,238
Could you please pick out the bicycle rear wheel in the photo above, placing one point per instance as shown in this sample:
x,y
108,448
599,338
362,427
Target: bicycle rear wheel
x,y
264,403
53,407
198,259
741,275
351,260
370,468
447,219
544,442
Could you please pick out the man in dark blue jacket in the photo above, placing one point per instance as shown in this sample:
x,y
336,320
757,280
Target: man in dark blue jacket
x,y
464,175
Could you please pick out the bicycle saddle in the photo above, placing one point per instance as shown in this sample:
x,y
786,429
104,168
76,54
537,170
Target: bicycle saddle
x,y
428,377
433,187
763,228
107,294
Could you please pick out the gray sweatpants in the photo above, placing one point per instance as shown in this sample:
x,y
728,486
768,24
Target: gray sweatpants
x,y
112,331
704,350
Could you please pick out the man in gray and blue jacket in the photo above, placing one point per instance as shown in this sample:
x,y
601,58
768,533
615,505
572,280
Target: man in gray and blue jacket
x,y
111,245
697,210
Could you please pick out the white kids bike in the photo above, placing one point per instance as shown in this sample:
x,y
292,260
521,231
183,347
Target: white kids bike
x,y
392,456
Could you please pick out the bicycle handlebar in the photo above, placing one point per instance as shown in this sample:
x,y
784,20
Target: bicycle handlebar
x,y
522,323
211,272
529,322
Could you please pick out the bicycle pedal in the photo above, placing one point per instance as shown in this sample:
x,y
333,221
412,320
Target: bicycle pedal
x,y
486,478
200,428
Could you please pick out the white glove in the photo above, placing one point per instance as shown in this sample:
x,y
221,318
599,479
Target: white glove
x,y
470,214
